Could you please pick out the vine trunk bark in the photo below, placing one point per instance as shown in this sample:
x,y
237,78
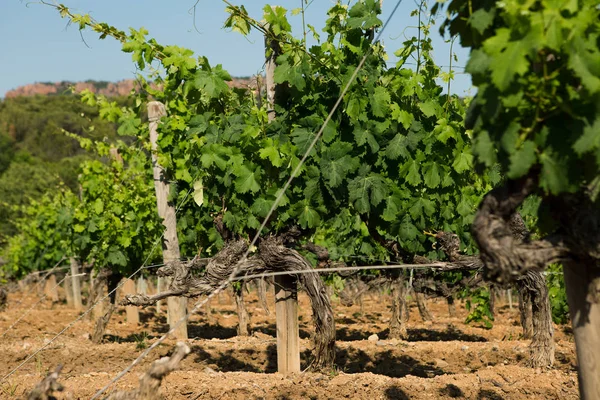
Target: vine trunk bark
x,y
422,306
112,281
451,306
584,307
243,316
525,310
400,315
541,348
278,257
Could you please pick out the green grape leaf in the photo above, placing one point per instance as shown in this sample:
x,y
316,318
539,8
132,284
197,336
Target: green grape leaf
x,y
522,160
407,230
590,139
509,58
380,102
247,179
413,175
431,174
463,162
116,257
482,19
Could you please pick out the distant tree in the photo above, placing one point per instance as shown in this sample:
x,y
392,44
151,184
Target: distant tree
x,y
6,151
22,181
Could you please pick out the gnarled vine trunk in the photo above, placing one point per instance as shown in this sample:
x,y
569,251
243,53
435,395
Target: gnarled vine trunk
x,y
261,288
525,310
422,306
272,256
278,257
535,294
112,280
451,307
575,243
242,312
400,314
541,348
582,281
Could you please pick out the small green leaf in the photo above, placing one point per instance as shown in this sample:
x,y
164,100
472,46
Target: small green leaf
x,y
247,179
484,149
522,160
463,162
407,230
430,108
413,176
198,192
380,102
431,174
590,139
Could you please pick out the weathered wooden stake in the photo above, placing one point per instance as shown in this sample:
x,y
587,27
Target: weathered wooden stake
x,y
286,297
75,284
509,295
582,283
51,289
68,291
286,309
159,288
177,306
133,315
142,285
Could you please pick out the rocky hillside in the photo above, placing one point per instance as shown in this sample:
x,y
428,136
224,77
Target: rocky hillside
x,y
121,88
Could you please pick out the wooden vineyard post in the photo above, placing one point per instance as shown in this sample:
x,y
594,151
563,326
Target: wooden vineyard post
x,y
582,283
286,292
68,291
176,306
133,315
286,310
75,284
142,285
159,288
51,289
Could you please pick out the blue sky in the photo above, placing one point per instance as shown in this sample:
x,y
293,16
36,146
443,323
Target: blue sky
x,y
38,46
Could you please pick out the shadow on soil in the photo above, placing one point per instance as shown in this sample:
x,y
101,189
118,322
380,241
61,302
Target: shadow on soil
x,y
394,392
488,395
452,391
348,360
449,334
241,360
271,330
414,335
386,363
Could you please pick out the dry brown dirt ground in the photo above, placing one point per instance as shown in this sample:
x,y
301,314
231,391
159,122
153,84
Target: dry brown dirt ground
x,y
440,360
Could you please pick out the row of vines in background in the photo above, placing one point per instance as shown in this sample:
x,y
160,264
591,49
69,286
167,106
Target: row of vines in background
x,y
394,161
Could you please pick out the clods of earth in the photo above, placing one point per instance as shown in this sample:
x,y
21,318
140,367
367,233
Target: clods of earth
x,y
440,360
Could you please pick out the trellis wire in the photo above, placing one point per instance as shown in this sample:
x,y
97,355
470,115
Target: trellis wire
x,y
98,301
36,303
55,268
41,272
266,219
337,269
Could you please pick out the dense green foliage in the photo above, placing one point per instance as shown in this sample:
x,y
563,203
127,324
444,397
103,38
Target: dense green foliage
x,y
537,111
394,161
33,150
557,294
537,68
43,234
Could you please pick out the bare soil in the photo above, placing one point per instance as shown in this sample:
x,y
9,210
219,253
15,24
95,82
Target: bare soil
x,y
440,360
